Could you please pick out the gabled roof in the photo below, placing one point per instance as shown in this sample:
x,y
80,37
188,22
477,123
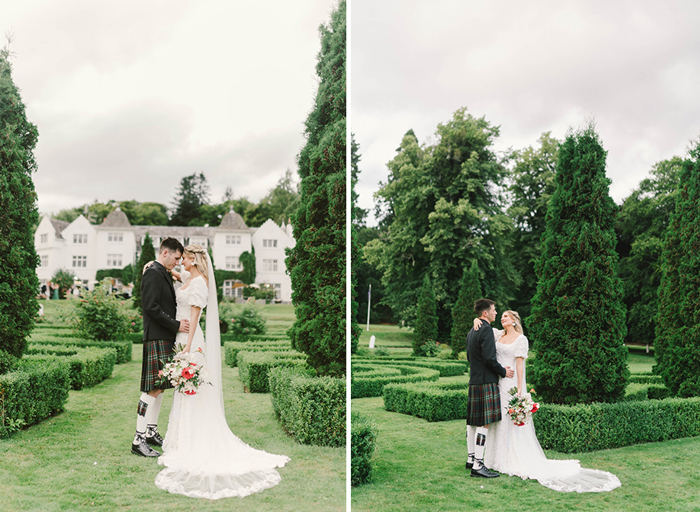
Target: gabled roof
x,y
59,226
116,219
233,221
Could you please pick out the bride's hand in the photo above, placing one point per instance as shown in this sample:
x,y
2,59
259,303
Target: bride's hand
x,y
477,324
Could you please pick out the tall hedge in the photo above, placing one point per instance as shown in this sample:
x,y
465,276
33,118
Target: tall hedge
x,y
463,311
19,216
578,318
426,329
677,341
317,262
148,253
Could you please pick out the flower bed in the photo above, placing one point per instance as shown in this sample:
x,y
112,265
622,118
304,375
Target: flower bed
x,y
311,409
32,392
254,367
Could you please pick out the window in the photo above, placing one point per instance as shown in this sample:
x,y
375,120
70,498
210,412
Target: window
x,y
79,239
114,260
233,263
269,265
269,243
44,260
80,261
200,241
233,239
44,238
115,237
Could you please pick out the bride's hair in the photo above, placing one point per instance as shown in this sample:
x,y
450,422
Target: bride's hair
x,y
199,254
517,323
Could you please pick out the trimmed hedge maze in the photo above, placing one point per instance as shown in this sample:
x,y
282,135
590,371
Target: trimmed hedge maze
x,y
369,379
254,367
432,401
88,365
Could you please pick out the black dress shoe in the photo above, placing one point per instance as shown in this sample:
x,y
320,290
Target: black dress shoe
x,y
469,465
143,450
484,472
155,440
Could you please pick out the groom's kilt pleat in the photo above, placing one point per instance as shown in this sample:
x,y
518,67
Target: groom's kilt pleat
x,y
155,354
483,404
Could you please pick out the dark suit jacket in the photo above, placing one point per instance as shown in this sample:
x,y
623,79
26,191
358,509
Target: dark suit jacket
x,y
481,353
158,303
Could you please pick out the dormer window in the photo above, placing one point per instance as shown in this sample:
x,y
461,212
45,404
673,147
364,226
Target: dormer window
x,y
79,239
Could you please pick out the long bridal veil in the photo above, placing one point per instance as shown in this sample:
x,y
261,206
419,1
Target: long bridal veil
x,y
203,458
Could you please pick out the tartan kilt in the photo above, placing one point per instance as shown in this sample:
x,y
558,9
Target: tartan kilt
x,y
155,351
483,404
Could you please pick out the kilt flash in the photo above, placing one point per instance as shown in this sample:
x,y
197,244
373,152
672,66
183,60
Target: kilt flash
x,y
155,351
483,404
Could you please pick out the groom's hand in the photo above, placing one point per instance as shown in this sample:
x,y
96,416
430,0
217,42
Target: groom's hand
x,y
184,325
509,372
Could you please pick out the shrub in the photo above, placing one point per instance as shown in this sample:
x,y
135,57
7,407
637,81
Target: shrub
x,y
100,315
253,367
446,368
463,310
88,365
123,348
254,337
7,362
433,401
597,426
363,444
247,322
32,392
311,409
428,349
426,328
371,384
232,348
646,379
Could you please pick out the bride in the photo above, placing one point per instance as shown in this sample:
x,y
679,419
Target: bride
x,y
202,457
515,450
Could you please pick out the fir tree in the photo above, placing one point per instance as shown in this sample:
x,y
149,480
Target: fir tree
x,y
426,329
317,263
463,311
148,253
677,344
578,318
18,216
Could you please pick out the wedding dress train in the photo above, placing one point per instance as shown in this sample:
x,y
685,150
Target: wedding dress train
x,y
515,450
203,458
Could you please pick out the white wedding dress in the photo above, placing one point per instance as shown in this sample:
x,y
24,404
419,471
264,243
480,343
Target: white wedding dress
x,y
203,458
516,451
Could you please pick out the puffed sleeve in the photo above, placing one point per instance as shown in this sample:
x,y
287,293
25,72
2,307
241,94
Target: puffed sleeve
x,y
199,293
522,347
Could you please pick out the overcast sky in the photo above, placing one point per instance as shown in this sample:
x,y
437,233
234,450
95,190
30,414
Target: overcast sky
x,y
528,67
130,96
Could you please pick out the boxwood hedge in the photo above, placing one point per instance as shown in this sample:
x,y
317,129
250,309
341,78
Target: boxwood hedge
x,y
433,401
88,365
254,367
123,348
369,380
363,444
232,348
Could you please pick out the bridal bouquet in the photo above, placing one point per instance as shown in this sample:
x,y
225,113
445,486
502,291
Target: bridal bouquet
x,y
186,372
521,407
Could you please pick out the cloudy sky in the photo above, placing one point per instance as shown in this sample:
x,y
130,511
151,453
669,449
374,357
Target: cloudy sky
x,y
528,67
131,96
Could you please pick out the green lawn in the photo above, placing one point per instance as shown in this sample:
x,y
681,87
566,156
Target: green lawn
x,y
81,460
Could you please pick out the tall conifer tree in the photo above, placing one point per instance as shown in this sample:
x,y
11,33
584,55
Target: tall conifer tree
x,y
463,312
677,343
148,253
578,318
426,329
19,284
317,262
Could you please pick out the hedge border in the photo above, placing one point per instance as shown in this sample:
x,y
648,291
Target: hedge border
x,y
32,392
254,367
88,365
432,401
446,368
363,445
123,348
233,348
311,409
372,386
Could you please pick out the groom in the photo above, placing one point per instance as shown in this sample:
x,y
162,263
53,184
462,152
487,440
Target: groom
x,y
484,400
159,331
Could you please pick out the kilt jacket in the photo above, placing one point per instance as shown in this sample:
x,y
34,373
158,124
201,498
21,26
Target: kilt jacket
x,y
484,368
158,304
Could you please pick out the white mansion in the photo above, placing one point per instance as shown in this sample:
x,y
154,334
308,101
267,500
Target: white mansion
x,y
83,248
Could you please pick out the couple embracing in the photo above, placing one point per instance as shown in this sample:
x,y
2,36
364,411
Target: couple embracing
x,y
202,457
497,364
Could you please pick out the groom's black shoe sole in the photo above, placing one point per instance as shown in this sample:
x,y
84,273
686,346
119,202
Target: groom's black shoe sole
x,y
468,465
144,450
484,472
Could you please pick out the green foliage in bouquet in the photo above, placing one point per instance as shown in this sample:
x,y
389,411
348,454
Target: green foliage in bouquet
x,y
18,216
677,323
101,316
463,311
578,318
317,264
426,329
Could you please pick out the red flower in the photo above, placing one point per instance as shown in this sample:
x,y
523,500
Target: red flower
x,y
535,407
188,373
190,392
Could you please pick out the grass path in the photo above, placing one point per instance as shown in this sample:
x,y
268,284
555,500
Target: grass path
x,y
81,460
